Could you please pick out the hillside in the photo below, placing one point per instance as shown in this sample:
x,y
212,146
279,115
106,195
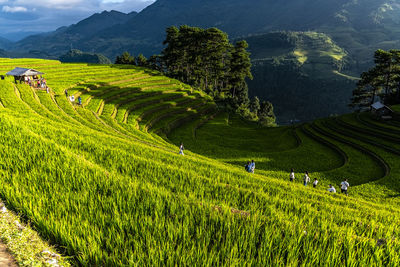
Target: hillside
x,y
4,43
356,27
122,187
60,41
300,73
77,56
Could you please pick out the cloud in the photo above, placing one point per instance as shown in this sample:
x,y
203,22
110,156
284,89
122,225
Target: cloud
x,y
52,4
14,9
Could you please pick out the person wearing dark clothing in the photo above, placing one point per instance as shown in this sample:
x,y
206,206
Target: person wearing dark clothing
x,y
314,184
247,166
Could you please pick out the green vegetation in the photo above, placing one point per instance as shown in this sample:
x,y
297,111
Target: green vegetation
x,y
104,182
396,108
380,82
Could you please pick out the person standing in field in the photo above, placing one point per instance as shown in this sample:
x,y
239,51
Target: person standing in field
x,y
331,189
252,166
314,184
344,186
181,148
66,92
291,175
306,178
80,101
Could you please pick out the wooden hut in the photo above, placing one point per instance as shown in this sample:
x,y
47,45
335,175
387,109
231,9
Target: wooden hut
x,y
29,76
382,111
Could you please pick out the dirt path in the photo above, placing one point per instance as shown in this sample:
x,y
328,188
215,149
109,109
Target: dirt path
x,y
5,258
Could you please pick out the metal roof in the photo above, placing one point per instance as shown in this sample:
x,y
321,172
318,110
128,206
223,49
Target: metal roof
x,y
24,72
377,105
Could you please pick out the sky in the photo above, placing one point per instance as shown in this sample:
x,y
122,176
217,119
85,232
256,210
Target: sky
x,y
20,17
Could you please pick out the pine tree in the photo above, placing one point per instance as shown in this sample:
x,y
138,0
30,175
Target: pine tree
x,y
382,80
173,54
266,114
126,59
255,105
240,70
154,62
141,60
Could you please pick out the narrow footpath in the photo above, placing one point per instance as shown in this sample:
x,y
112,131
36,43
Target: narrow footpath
x,y
5,258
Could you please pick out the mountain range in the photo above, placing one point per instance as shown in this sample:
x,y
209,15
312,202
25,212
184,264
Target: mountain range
x,y
5,43
355,27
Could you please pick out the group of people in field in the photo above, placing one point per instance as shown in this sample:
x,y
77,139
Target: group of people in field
x,y
72,97
251,166
36,82
344,186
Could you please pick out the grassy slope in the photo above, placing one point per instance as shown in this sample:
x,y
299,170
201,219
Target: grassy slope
x,y
84,175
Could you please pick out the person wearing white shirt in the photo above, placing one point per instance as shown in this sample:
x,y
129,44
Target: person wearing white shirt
x,y
306,178
181,148
344,186
291,175
252,166
331,189
315,183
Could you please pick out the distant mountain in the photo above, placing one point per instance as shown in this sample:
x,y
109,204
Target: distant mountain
x,y
5,43
3,53
18,35
354,25
61,40
301,74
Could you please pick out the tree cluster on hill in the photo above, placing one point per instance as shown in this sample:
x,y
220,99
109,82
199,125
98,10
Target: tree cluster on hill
x,y
128,59
382,82
263,111
206,60
77,56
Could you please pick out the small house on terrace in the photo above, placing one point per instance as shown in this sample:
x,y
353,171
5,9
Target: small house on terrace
x,y
381,110
29,76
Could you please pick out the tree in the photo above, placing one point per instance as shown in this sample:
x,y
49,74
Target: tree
x,y
205,59
141,60
172,54
255,105
240,70
154,62
126,59
368,87
383,81
266,114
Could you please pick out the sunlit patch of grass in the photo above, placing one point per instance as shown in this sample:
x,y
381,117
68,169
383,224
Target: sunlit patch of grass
x,y
301,56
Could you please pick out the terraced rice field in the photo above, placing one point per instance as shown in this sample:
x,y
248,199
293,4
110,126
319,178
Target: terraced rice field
x,y
105,183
